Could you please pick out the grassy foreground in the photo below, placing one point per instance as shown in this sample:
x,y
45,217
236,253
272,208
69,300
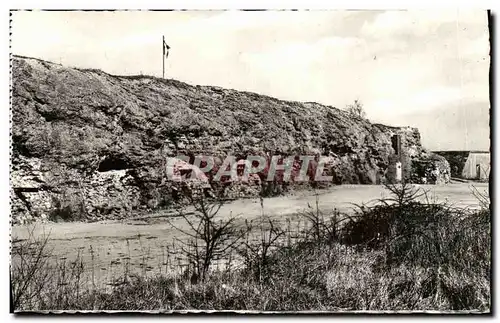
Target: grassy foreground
x,y
397,255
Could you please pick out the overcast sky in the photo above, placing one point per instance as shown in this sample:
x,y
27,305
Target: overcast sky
x,y
427,69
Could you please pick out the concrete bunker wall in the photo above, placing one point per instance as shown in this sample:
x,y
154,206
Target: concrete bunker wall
x,y
477,166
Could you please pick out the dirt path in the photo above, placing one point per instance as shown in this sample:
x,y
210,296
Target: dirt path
x,y
107,246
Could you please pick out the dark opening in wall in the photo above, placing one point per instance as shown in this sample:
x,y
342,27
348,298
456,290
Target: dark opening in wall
x,y
113,163
396,144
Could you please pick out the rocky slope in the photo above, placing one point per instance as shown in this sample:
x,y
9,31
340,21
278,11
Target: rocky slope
x,y
456,159
89,145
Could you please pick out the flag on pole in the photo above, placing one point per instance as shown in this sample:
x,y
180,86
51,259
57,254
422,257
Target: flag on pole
x,y
165,54
165,48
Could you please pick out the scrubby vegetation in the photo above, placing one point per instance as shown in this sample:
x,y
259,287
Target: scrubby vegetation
x,y
399,254
356,109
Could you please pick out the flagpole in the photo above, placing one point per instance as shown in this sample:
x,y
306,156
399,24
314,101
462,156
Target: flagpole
x,y
163,56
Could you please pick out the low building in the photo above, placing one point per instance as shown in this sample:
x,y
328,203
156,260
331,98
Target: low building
x,y
471,165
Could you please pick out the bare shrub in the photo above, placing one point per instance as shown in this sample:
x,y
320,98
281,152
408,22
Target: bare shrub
x,y
482,196
28,274
403,194
41,282
321,227
208,238
256,253
356,109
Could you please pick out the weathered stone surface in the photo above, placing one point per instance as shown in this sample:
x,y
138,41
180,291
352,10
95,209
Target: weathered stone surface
x,y
456,159
99,142
430,168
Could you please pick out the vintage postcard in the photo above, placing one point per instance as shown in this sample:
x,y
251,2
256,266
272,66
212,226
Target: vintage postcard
x,y
273,161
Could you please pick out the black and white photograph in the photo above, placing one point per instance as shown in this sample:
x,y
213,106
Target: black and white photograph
x,y
250,161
